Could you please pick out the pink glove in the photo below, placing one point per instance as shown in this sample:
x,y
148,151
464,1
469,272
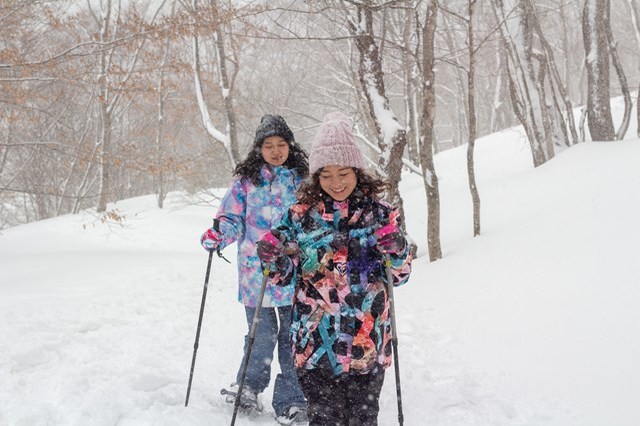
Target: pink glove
x,y
211,239
390,239
270,247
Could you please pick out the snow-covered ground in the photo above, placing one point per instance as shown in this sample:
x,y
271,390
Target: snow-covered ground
x,y
535,322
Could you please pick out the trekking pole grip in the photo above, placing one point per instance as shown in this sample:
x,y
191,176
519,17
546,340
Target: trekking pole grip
x,y
216,227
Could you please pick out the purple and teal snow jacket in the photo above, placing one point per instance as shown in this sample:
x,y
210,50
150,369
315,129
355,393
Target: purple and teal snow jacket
x,y
246,213
340,319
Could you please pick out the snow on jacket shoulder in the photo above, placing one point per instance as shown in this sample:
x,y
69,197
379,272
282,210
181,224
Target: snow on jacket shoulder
x,y
246,213
341,312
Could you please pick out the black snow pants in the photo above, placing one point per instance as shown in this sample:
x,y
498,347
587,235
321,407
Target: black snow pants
x,y
345,400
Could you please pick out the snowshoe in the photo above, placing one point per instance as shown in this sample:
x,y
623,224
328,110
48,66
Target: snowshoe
x,y
249,401
293,415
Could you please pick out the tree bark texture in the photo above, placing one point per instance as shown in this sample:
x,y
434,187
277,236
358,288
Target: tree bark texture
x,y
594,17
624,86
471,106
527,100
392,138
427,130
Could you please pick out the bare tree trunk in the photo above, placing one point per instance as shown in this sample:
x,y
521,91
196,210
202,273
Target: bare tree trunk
x,y
565,49
525,98
77,160
104,132
583,118
229,145
628,105
460,84
159,176
427,130
582,84
635,17
595,13
225,86
413,131
497,94
104,142
557,87
471,105
5,150
392,137
111,90
85,181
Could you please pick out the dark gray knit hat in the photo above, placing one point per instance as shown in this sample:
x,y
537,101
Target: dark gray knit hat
x,y
273,125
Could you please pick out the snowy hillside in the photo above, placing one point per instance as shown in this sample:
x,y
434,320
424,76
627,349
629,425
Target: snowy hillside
x,y
535,322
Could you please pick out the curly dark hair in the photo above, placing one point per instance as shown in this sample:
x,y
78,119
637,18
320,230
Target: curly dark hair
x,y
311,192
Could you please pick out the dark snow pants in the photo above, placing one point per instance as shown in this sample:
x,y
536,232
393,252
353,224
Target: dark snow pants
x,y
347,400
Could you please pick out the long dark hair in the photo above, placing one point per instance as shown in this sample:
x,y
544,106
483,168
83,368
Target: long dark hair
x,y
250,167
311,192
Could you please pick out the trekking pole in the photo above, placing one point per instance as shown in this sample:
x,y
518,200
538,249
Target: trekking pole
x,y
252,335
394,334
216,226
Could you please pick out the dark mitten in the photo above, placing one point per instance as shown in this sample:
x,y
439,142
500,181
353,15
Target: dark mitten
x,y
390,239
271,247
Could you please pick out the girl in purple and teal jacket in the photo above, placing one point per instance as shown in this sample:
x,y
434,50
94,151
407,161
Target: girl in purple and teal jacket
x,y
264,188
333,243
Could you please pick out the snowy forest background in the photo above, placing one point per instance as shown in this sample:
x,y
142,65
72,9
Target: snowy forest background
x,y
105,100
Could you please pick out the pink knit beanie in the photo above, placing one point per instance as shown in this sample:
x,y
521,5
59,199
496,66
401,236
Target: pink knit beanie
x,y
335,145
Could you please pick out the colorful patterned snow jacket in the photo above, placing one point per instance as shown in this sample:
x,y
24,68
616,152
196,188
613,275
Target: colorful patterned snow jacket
x,y
340,318
246,213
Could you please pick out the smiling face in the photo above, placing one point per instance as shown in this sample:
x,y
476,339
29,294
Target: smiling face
x,y
275,150
338,181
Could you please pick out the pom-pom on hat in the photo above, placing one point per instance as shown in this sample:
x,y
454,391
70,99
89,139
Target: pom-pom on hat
x,y
273,125
335,145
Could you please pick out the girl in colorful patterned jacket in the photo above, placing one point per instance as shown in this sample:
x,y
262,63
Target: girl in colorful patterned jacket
x,y
262,191
339,233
